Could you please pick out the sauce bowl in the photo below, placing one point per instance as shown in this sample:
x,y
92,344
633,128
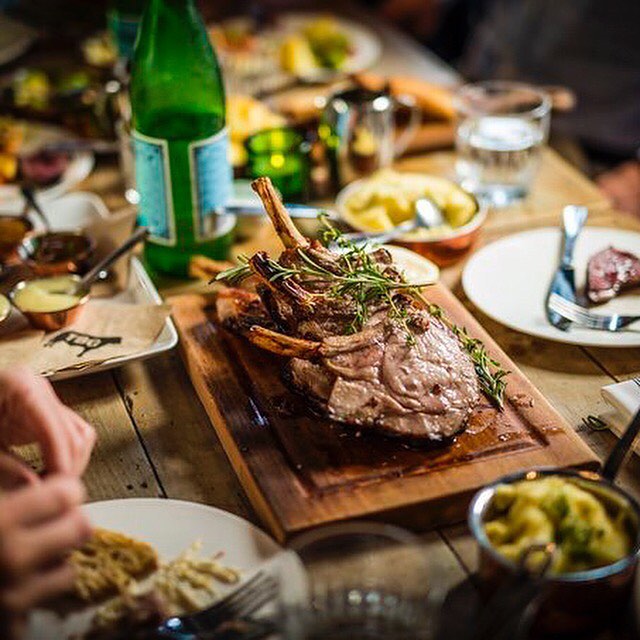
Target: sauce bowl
x,y
52,253
52,320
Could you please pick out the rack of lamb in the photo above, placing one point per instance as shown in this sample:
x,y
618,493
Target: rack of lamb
x,y
361,344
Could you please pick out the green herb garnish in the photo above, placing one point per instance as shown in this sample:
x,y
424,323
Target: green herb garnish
x,y
357,277
489,371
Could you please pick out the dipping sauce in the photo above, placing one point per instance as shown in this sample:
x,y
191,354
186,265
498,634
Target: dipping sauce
x,y
5,307
58,246
586,533
47,295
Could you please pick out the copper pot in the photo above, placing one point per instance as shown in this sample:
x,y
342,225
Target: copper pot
x,y
50,320
571,602
51,253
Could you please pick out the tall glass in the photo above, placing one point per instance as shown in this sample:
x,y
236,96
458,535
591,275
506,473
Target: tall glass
x,y
357,581
501,129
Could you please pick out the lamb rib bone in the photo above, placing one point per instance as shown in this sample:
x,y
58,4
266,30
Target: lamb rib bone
x,y
282,223
288,346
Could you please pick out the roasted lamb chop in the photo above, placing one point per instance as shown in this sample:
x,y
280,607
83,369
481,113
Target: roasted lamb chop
x,y
360,344
609,272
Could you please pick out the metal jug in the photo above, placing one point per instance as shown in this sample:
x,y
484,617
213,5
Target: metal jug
x,y
358,130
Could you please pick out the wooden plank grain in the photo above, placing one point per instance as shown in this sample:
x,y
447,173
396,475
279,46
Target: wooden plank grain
x,y
185,452
295,487
119,467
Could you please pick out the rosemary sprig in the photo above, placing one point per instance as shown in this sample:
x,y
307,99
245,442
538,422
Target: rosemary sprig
x,y
490,373
357,277
235,275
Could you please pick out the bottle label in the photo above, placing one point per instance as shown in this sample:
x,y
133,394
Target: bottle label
x,y
124,29
211,182
153,183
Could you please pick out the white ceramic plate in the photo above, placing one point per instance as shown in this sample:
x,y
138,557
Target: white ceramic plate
x,y
417,269
170,526
15,39
365,44
140,290
78,210
508,280
80,166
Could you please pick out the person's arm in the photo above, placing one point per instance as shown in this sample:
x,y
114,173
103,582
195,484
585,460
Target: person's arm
x,y
421,17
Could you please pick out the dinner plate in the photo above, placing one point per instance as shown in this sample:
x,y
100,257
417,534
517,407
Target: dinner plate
x,y
508,280
365,44
15,39
170,526
79,167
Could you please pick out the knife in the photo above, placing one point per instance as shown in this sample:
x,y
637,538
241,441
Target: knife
x,y
250,210
563,283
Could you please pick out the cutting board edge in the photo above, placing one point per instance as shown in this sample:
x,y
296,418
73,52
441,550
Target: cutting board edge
x,y
445,508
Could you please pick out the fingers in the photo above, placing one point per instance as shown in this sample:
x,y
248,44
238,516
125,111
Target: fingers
x,y
14,473
30,411
83,438
39,588
39,526
35,504
49,542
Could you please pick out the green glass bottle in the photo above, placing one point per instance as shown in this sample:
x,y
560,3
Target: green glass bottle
x,y
179,137
123,19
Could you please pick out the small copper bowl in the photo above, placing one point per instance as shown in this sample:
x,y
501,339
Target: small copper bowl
x,y
50,320
444,249
449,249
568,603
52,253
13,231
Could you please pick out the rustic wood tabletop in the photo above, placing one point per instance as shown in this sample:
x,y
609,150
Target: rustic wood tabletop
x,y
155,439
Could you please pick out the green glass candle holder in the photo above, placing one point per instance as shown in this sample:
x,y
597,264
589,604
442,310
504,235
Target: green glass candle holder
x,y
281,154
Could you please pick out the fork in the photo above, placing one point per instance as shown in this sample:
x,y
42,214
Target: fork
x,y
244,601
585,318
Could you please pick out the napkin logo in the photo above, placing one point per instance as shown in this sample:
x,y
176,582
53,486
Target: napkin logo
x,y
82,340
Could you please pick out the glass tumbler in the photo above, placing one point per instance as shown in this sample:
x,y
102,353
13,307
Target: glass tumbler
x,y
357,581
501,129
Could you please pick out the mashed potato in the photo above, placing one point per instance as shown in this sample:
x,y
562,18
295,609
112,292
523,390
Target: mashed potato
x,y
558,510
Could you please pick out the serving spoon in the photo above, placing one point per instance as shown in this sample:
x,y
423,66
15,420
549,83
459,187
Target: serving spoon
x,y
83,284
428,215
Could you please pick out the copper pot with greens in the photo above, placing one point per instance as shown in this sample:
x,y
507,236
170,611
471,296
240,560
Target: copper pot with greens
x,y
569,540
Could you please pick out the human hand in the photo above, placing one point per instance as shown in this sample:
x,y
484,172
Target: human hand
x,y
39,526
622,185
31,412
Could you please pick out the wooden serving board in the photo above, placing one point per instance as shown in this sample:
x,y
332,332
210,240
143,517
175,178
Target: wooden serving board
x,y
300,470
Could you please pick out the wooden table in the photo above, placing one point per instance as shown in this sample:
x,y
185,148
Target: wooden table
x,y
154,438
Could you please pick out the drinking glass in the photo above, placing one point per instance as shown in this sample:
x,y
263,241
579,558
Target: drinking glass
x,y
501,129
357,581
282,154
